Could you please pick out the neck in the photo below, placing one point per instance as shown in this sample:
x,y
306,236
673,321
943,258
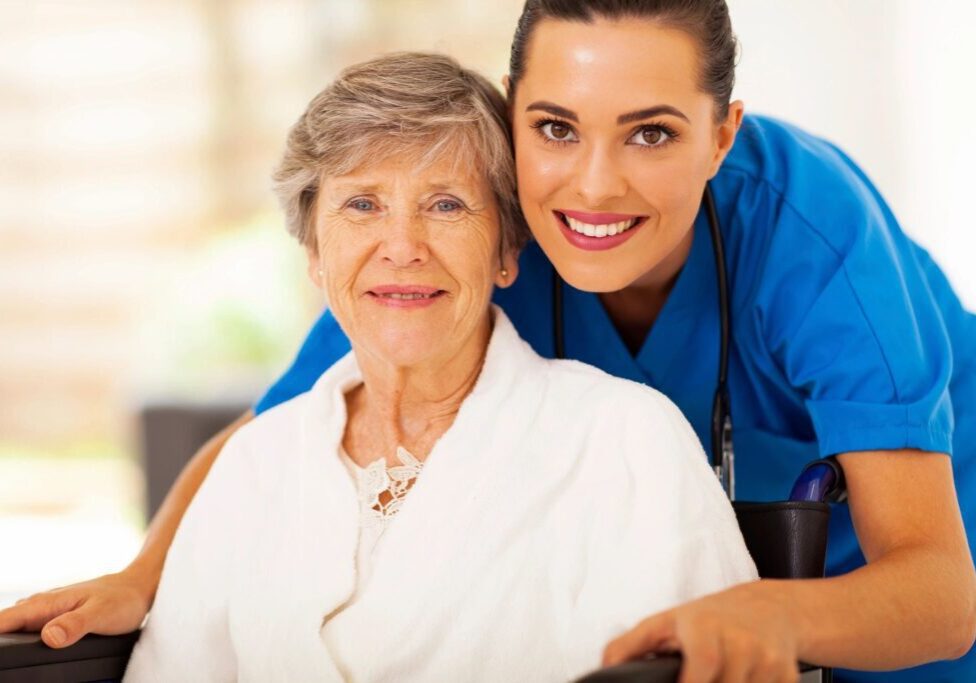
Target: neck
x,y
410,406
634,309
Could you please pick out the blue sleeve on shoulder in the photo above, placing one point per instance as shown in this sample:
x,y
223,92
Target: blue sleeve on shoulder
x,y
324,345
848,314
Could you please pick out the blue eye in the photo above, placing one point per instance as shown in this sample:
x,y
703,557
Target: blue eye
x,y
447,205
361,204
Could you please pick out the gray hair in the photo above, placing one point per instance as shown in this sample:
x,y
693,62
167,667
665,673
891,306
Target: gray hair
x,y
426,105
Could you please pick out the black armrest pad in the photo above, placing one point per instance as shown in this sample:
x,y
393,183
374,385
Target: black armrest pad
x,y
660,669
24,657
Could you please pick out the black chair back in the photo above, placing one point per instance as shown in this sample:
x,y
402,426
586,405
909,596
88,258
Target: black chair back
x,y
787,540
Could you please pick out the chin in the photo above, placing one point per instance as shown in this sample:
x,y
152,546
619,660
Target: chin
x,y
594,279
406,347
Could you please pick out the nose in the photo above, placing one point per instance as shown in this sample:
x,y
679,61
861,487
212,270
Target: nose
x,y
599,178
404,242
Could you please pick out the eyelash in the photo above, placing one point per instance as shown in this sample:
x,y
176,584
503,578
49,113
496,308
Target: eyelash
x,y
352,203
671,133
457,204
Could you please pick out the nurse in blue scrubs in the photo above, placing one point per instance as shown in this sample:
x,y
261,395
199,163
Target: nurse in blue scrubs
x,y
847,338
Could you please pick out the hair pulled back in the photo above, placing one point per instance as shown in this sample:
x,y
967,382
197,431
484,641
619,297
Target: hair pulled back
x,y
707,21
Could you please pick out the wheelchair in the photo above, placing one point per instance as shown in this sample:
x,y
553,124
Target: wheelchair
x,y
786,539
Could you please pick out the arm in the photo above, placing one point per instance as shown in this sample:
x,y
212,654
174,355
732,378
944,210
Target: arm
x,y
915,600
118,603
917,594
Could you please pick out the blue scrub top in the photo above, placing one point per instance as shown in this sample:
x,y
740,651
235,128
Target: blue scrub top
x,y
846,335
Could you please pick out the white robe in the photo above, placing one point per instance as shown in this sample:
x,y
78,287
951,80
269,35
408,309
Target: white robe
x,y
561,507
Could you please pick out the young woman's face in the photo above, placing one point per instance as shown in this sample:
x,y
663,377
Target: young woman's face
x,y
614,141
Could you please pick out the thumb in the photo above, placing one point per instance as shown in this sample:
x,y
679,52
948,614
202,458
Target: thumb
x,y
68,628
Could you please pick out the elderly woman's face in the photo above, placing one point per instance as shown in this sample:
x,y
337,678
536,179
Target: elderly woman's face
x,y
408,257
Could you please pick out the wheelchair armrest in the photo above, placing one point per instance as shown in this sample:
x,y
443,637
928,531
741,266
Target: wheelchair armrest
x,y
666,668
24,658
659,669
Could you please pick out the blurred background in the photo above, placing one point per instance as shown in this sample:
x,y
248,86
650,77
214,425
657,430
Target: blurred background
x,y
144,268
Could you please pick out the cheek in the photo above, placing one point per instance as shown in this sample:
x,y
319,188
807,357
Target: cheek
x,y
539,175
342,253
670,186
470,258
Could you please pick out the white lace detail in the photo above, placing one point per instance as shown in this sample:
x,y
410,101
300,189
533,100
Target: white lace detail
x,y
382,489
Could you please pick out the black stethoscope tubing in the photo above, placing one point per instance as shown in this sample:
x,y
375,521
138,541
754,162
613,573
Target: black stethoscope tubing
x,y
722,455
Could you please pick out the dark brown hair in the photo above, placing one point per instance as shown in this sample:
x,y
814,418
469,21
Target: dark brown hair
x,y
707,21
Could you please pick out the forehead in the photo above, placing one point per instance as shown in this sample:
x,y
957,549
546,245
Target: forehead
x,y
453,169
613,63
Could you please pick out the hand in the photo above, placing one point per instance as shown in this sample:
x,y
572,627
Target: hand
x,y
109,605
741,635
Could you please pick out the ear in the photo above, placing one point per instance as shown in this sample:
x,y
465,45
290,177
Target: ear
x,y
506,85
314,266
725,135
509,264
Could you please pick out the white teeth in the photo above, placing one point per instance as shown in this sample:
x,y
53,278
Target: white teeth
x,y
408,297
604,230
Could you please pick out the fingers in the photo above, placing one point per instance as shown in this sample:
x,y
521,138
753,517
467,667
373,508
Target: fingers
x,y
31,614
654,634
703,655
712,652
13,618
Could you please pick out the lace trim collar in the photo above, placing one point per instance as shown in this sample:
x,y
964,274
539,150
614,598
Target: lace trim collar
x,y
383,489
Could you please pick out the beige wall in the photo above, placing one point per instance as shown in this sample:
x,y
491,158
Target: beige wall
x,y
135,134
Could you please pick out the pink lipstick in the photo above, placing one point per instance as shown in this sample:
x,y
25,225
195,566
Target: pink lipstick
x,y
597,231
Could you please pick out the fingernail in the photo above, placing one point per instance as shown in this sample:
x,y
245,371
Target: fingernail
x,y
56,635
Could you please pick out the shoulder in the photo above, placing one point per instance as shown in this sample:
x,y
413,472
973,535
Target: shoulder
x,y
784,179
633,440
637,418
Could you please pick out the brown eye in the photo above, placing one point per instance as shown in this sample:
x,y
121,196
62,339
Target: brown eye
x,y
556,131
559,131
651,136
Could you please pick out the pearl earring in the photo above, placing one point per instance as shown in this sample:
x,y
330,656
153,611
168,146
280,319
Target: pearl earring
x,y
504,272
321,273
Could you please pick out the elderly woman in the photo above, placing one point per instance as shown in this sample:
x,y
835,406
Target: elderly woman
x,y
443,504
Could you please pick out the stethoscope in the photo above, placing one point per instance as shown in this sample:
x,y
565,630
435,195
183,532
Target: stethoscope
x,y
821,480
722,456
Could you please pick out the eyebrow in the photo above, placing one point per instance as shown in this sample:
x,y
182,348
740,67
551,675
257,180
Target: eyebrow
x,y
553,109
629,117
651,112
347,185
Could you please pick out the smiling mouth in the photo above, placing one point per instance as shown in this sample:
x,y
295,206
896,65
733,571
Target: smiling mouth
x,y
404,296
405,293
601,229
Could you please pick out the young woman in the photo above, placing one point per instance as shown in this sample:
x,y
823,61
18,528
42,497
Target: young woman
x,y
847,341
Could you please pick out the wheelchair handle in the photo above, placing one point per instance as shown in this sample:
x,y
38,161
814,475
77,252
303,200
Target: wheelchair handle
x,y
822,481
